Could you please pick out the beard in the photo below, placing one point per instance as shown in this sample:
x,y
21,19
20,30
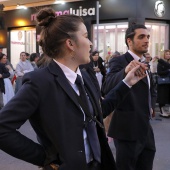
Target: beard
x,y
140,51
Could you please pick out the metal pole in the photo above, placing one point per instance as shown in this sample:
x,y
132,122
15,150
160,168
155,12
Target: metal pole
x,y
97,22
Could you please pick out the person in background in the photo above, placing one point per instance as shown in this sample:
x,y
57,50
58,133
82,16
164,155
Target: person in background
x,y
98,66
4,73
148,58
92,74
8,62
71,136
27,56
163,90
109,117
130,125
106,63
9,91
34,57
115,54
154,63
1,49
24,66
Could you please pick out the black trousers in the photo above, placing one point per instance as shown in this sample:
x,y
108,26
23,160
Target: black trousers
x,y
136,155
94,165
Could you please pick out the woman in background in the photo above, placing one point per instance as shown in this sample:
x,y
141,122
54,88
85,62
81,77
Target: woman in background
x,y
163,90
98,66
9,91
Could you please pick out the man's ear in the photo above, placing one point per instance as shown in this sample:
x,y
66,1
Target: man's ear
x,y
129,41
70,44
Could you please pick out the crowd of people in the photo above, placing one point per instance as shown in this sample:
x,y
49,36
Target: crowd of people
x,y
66,95
27,63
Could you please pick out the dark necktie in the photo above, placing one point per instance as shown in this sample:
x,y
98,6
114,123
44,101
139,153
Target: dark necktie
x,y
90,127
149,93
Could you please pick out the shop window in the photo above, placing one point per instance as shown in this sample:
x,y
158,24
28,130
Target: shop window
x,y
21,40
159,38
111,38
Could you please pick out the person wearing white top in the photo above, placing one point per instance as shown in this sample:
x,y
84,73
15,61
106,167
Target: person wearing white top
x,y
24,66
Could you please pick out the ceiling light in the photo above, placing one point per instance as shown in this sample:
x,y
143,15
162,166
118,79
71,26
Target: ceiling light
x,y
59,2
21,7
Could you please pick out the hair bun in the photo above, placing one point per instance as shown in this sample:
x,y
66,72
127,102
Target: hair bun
x,y
45,16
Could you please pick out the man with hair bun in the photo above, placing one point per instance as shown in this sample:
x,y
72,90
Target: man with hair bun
x,y
62,104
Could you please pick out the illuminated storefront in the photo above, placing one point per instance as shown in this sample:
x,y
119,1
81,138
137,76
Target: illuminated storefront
x,y
114,18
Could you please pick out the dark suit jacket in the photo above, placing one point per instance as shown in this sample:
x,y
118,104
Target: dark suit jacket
x,y
130,120
89,69
5,73
163,90
163,68
49,102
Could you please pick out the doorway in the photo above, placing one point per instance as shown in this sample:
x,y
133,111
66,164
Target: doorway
x,y
22,40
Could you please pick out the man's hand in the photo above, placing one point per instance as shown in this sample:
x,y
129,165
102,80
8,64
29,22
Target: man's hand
x,y
136,74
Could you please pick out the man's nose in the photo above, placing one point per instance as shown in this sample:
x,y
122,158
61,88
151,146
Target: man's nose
x,y
146,39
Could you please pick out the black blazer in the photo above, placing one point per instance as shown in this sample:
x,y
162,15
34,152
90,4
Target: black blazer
x,y
163,68
49,102
5,74
130,120
163,90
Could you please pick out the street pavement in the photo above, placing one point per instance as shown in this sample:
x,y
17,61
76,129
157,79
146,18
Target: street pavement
x,y
161,127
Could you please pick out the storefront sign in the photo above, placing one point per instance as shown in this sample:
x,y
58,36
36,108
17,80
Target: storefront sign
x,y
159,8
80,12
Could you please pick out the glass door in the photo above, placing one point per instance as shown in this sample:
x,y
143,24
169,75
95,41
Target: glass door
x,y
22,40
159,38
111,38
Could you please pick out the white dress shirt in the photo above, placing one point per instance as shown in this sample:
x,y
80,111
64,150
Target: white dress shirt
x,y
142,59
71,76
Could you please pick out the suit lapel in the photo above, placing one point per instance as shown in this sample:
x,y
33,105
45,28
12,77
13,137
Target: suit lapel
x,y
62,80
92,89
128,57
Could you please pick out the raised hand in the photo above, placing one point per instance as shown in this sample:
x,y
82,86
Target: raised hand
x,y
133,64
137,73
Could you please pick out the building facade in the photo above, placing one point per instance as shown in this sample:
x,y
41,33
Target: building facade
x,y
18,30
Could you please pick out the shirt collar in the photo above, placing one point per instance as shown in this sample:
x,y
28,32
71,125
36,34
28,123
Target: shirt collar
x,y
70,74
136,57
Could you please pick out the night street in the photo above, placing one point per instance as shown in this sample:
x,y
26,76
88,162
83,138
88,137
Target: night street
x,y
161,128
